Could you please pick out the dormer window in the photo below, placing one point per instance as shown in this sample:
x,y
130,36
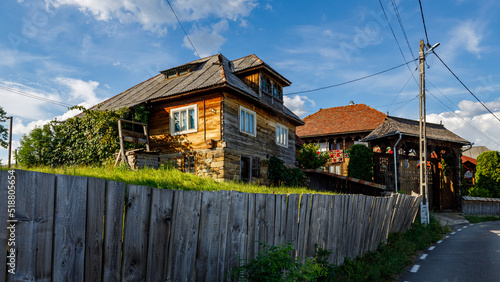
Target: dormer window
x,y
271,87
177,71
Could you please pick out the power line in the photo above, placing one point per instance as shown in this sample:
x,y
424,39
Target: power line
x,y
172,8
396,10
400,91
464,120
22,93
350,81
465,86
423,21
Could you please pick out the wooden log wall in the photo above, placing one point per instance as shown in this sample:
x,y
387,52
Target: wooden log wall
x,y
264,143
85,229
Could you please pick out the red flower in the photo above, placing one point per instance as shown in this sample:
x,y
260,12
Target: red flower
x,y
319,153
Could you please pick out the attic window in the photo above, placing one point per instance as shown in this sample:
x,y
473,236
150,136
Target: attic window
x,y
176,72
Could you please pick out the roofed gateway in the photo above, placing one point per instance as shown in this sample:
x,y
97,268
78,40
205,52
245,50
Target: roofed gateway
x,y
216,117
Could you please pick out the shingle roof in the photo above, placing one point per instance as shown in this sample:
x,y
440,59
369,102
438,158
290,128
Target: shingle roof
x,y
341,120
393,125
252,61
205,73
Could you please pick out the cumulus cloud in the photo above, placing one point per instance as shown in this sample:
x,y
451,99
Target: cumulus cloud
x,y
81,90
473,123
207,40
298,104
154,15
468,35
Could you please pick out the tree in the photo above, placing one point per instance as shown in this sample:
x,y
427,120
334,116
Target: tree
x,y
487,175
360,162
4,133
311,158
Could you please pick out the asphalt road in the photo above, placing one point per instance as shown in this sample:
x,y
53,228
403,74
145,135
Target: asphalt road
x,y
470,253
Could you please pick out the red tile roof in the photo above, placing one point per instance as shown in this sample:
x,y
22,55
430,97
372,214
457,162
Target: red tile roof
x,y
341,120
469,159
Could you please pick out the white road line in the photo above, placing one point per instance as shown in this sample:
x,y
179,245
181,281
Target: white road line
x,y
453,233
465,226
431,248
415,268
459,230
424,256
447,236
440,241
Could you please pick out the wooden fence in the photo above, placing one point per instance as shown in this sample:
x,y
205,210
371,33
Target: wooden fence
x,y
86,229
480,206
325,181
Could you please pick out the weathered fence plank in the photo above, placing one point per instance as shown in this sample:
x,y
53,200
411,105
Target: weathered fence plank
x,y
250,251
186,219
94,229
69,225
135,241
209,237
159,234
113,226
270,214
292,220
260,221
225,197
238,228
304,220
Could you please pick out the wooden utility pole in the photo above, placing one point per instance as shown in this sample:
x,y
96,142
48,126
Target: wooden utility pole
x,y
424,205
10,142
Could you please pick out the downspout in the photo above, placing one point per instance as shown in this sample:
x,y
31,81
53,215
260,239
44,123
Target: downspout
x,y
395,162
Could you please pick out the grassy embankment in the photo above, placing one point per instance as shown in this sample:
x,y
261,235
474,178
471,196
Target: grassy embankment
x,y
481,218
169,178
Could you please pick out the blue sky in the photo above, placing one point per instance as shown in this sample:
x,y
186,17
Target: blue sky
x,y
85,51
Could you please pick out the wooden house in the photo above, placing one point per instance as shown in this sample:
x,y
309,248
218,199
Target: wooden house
x,y
337,129
396,140
215,117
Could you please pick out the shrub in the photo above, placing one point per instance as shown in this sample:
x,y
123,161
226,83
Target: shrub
x,y
274,263
310,158
360,163
279,174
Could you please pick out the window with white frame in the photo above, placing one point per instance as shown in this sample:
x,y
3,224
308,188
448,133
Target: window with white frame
x,y
184,120
281,135
248,121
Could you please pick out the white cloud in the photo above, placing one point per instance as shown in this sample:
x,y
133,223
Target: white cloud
x,y
473,123
468,35
298,104
153,15
20,128
81,90
207,40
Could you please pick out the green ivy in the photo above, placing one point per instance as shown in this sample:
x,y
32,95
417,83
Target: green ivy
x,y
88,139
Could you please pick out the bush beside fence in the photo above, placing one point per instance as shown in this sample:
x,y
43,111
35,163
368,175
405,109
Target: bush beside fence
x,y
77,228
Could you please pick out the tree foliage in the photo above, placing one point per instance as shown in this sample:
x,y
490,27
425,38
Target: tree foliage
x,y
360,163
88,139
487,175
4,133
311,158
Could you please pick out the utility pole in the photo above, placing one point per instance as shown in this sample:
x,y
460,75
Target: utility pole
x,y
10,142
424,205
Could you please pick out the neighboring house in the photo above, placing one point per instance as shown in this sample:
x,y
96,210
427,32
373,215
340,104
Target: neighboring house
x,y
468,172
401,137
474,152
215,117
337,129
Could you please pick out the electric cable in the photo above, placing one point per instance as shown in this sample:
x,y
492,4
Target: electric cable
x,y
423,21
400,91
192,45
22,93
350,81
465,86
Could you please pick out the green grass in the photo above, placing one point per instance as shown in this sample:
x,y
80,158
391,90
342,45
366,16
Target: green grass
x,y
481,218
169,178
392,258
